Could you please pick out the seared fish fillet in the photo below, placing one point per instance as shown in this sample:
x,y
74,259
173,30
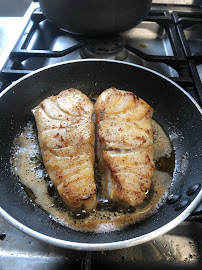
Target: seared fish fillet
x,y
124,145
66,138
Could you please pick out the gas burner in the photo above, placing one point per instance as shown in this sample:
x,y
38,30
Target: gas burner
x,y
105,48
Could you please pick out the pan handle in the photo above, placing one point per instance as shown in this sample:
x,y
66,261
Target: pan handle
x,y
86,261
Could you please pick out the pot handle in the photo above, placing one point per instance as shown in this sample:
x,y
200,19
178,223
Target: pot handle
x,y
86,261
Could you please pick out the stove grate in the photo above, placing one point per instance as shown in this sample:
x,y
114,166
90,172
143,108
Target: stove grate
x,y
184,61
183,20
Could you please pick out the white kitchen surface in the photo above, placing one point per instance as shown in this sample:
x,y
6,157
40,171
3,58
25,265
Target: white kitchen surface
x,y
9,26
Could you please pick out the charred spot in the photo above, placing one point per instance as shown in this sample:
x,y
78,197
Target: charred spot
x,y
65,185
134,97
71,89
59,145
140,138
56,135
148,158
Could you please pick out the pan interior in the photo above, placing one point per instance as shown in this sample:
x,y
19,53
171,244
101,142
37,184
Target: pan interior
x,y
173,110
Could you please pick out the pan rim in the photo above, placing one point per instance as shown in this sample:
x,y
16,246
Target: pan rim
x,y
103,60
104,246
113,245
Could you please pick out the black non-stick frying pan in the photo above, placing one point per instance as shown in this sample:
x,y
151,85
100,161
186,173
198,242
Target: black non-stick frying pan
x,y
174,110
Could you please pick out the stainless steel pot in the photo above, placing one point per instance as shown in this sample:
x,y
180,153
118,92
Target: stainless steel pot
x,y
95,18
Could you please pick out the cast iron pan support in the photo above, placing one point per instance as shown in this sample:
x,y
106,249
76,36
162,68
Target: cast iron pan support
x,y
86,261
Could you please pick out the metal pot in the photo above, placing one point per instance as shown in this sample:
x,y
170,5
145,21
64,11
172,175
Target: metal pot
x,y
95,18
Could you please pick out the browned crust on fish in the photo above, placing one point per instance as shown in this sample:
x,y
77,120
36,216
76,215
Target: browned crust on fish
x,y
66,137
124,145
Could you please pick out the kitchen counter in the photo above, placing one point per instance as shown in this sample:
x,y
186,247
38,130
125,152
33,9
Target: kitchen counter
x,y
11,15
14,8
8,28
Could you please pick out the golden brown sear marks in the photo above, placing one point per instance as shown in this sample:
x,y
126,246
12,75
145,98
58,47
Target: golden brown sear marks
x,y
124,145
66,138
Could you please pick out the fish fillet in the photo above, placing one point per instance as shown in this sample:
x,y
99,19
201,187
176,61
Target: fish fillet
x,y
66,138
124,146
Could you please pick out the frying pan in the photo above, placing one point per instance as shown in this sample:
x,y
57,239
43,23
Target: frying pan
x,y
174,109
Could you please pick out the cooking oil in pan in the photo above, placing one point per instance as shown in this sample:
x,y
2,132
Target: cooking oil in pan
x,y
27,163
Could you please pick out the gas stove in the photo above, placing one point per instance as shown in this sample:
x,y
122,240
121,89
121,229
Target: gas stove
x,y
168,41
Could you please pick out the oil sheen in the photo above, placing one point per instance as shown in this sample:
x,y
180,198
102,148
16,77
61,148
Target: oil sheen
x,y
26,162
